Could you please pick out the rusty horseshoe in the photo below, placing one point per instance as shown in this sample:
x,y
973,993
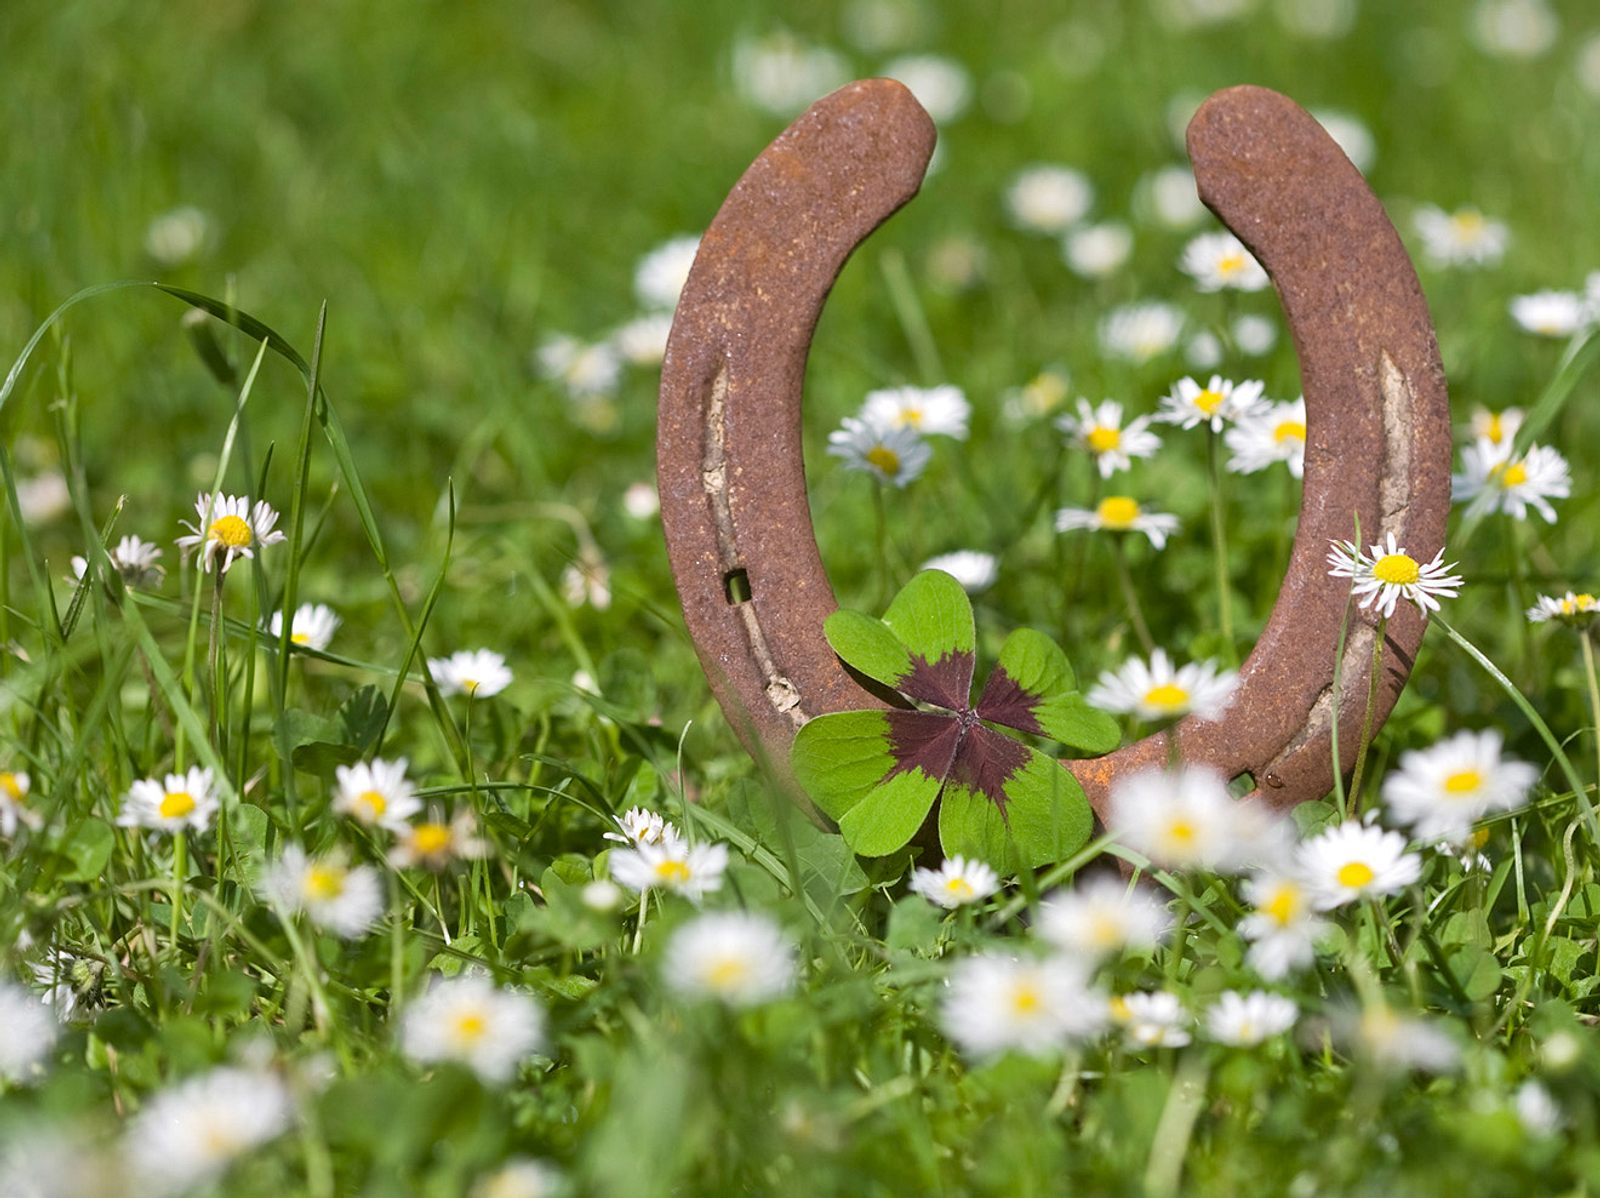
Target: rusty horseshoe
x,y
733,495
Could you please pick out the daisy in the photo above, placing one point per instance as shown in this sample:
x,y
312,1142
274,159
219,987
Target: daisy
x,y
586,370
30,1034
1551,313
587,581
1536,1110
659,278
642,341
313,626
1351,136
941,85
1493,480
930,411
338,898
1440,792
891,455
1095,251
995,1004
1154,1019
641,501
1465,237
521,1177
14,809
174,237
1570,608
1098,428
1039,396
601,896
693,871
136,563
1139,332
1168,194
191,1132
376,793
232,528
434,844
1184,818
1283,927
1119,513
1204,350
641,826
1156,691
1254,335
781,73
476,673
1218,403
1245,1020
956,883
1217,261
1275,433
738,958
470,1020
1388,574
1354,860
1397,1042
974,570
1048,199
1104,916
179,802
73,986
43,498
1497,428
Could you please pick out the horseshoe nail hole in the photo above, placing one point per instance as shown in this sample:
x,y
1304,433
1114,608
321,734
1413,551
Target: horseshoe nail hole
x,y
1242,784
736,586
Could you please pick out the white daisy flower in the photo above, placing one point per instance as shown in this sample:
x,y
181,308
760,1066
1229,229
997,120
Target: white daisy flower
x,y
313,626
1351,135
1157,691
1354,860
1515,28
1537,1111
376,793
177,803
1119,513
1254,335
781,74
1388,574
1185,819
1153,1019
14,808
586,582
642,341
477,673
1218,261
232,528
436,844
521,1177
1551,313
1095,251
1039,396
175,237
739,958
956,883
1274,433
995,1004
974,570
43,498
471,1021
1104,916
1140,332
1398,1042
136,562
1441,791
941,85
1245,1020
1571,608
1497,428
1283,927
641,826
339,898
1169,196
57,1160
72,985
658,281
30,1034
1048,199
891,455
601,896
1491,480
931,411
1218,403
1465,237
641,501
693,871
1098,428
189,1133
587,370
1204,350
1468,853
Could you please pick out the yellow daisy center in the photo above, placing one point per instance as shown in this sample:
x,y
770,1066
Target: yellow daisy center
x,y
176,804
911,417
471,1026
673,871
11,787
1463,782
1181,832
374,802
958,888
1103,438
1355,874
1105,931
1118,1008
232,531
1208,401
1283,906
430,839
1397,569
1509,475
299,638
1230,264
1117,512
1479,838
1497,429
885,459
1045,392
470,685
1290,430
324,882
1026,999
1169,696
1467,224
727,972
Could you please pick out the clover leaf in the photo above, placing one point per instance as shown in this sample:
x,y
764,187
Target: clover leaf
x,y
879,773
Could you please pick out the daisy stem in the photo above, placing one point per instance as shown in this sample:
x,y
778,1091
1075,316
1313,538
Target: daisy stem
x,y
214,660
880,519
1219,546
180,867
1333,712
638,931
397,943
1586,639
1180,939
1130,596
308,967
1366,720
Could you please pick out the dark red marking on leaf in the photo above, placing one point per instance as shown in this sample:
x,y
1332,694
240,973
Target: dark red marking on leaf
x,y
944,683
1005,701
986,761
924,741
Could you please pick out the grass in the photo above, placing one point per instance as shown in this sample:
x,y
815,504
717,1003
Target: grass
x,y
414,199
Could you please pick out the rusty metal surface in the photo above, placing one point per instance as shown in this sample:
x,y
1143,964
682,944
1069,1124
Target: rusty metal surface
x,y
732,478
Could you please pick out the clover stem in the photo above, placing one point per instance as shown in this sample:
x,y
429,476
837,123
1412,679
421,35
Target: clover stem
x,y
1219,546
1130,595
880,518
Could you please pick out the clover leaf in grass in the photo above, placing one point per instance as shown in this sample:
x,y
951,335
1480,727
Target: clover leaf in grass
x,y
879,773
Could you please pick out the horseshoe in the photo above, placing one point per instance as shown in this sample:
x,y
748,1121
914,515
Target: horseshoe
x,y
733,499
